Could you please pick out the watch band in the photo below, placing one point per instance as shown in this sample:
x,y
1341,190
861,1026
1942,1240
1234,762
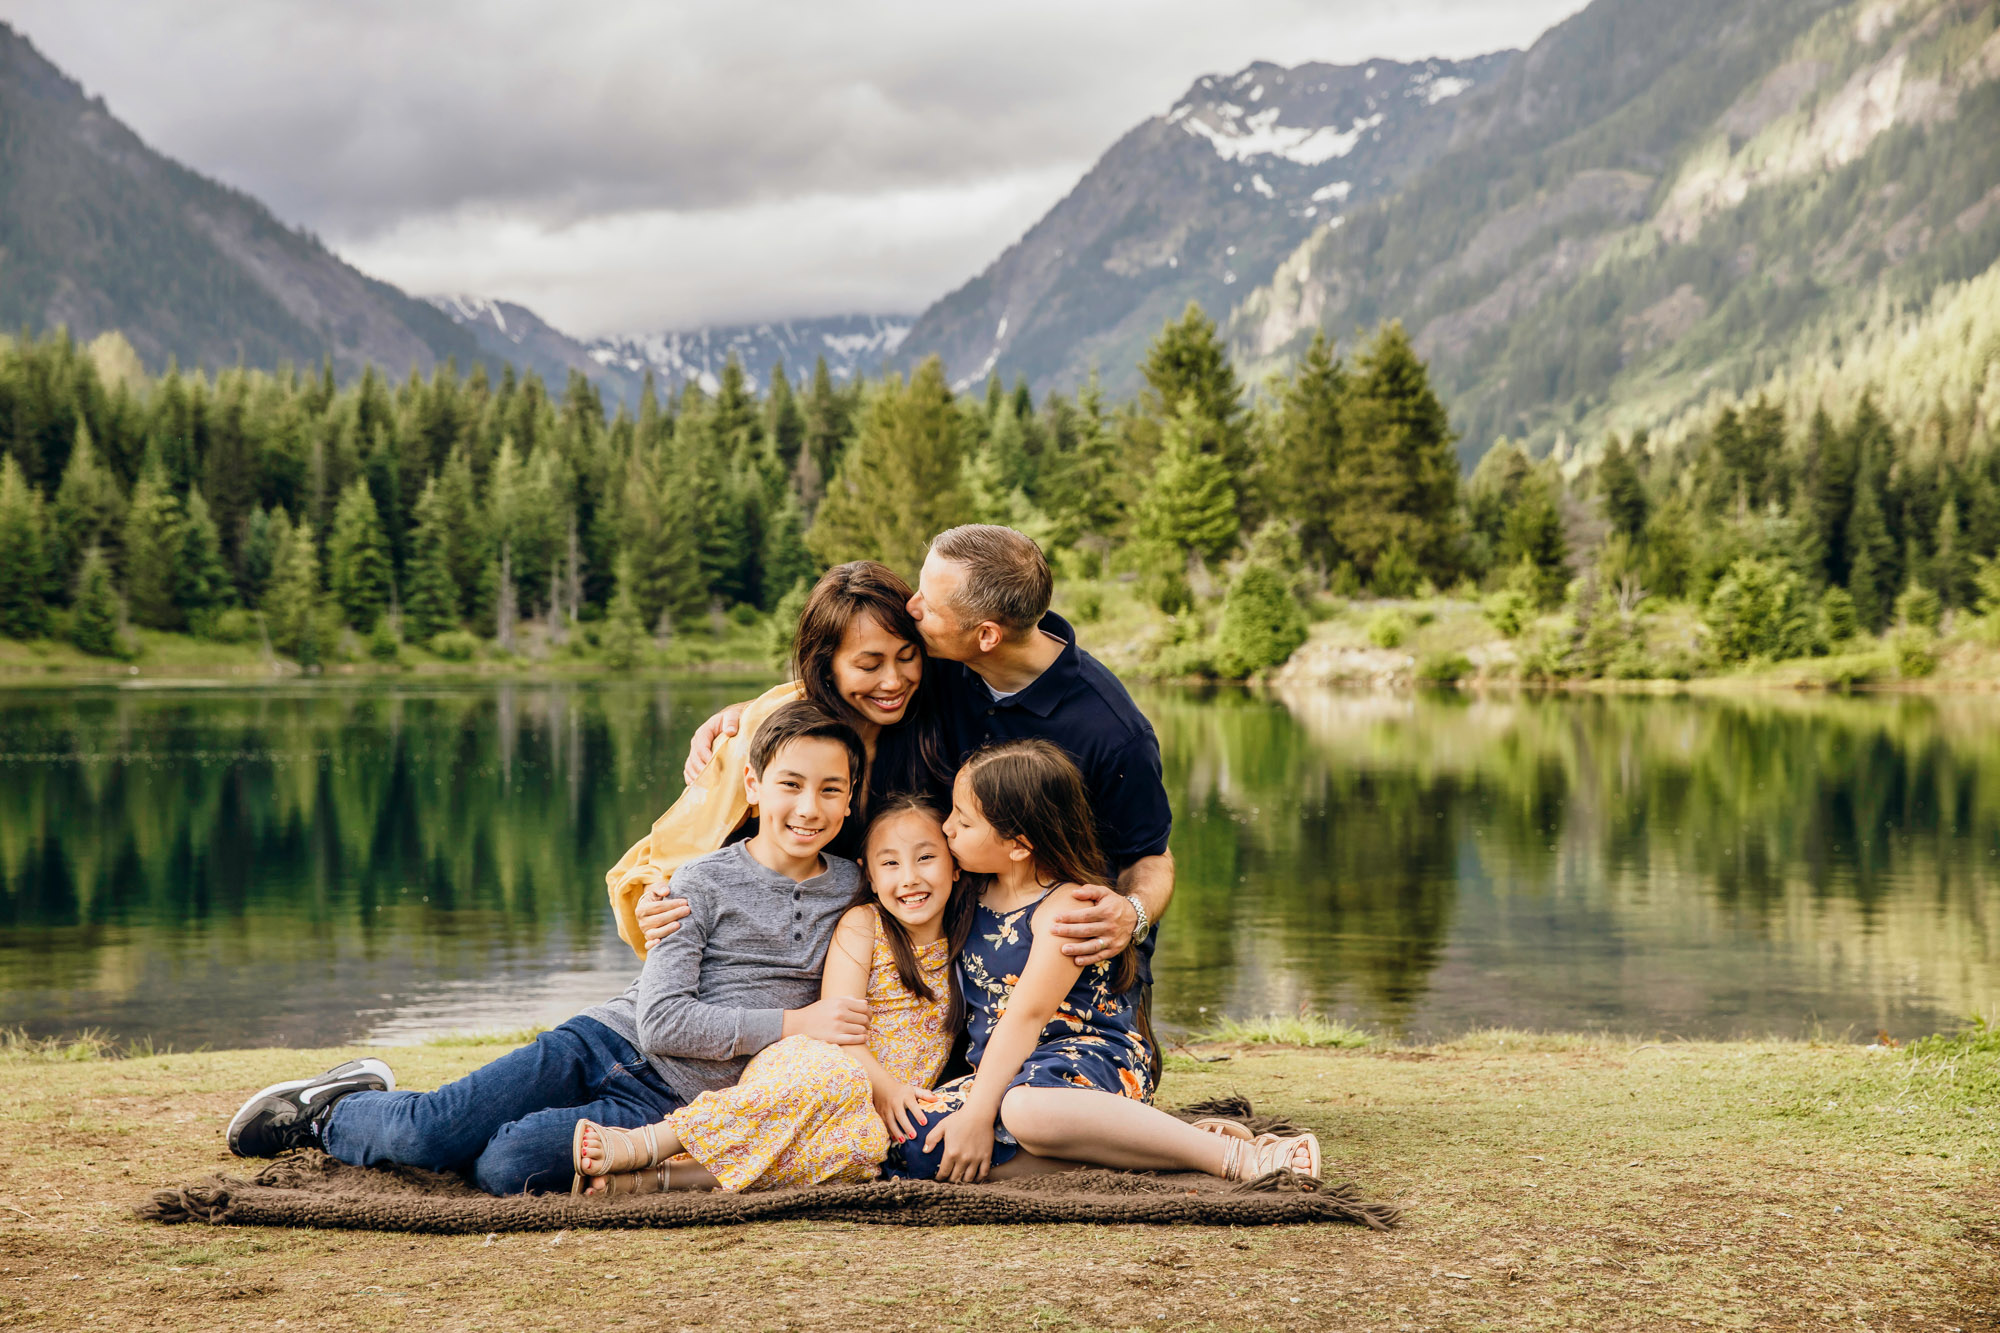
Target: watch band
x,y
1144,925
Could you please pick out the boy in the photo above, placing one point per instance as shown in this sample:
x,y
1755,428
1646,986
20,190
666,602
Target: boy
x,y
741,973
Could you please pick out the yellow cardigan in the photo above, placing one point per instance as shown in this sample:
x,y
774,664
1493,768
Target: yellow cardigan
x,y
708,811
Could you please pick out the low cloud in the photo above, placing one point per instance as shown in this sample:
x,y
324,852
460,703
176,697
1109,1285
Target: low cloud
x,y
633,166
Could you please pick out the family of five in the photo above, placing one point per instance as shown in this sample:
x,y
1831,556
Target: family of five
x,y
898,922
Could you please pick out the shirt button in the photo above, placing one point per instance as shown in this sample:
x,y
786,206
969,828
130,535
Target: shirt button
x,y
795,895
797,936
798,916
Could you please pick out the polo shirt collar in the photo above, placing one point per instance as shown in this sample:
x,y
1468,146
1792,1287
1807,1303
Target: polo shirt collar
x,y
1050,688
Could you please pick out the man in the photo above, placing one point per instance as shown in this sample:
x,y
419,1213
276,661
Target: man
x,y
1006,667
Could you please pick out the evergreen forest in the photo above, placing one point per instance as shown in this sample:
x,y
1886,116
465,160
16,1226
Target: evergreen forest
x,y
460,516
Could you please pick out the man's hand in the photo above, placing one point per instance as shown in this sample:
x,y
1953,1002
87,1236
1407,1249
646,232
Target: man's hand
x,y
659,915
840,1019
702,748
1099,931
968,1148
901,1109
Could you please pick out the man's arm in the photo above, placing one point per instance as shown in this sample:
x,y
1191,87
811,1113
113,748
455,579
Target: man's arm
x,y
1101,930
1130,797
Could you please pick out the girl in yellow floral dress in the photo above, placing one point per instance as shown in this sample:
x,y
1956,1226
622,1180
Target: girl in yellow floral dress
x,y
806,1112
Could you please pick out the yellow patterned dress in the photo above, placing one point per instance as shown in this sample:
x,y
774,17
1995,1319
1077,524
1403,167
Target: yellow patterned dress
x,y
803,1113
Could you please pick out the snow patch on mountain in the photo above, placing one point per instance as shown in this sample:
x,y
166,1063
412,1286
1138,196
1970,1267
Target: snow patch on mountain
x,y
851,344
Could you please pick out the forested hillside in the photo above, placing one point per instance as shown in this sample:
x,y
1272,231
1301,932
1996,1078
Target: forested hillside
x,y
100,233
1661,206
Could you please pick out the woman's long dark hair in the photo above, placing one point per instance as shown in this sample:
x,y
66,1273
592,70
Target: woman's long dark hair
x,y
915,761
1030,789
957,914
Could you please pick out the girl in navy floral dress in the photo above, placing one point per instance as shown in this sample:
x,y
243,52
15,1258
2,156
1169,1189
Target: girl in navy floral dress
x,y
1064,1066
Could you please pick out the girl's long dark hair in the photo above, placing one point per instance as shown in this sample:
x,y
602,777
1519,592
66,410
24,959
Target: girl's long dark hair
x,y
914,761
1030,789
957,915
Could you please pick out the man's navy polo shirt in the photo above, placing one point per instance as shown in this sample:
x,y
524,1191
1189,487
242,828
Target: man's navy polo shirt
x,y
1078,704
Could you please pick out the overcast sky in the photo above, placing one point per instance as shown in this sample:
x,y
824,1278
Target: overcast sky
x,y
625,167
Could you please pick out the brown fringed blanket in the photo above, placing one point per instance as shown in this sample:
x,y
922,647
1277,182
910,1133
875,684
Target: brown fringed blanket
x,y
310,1189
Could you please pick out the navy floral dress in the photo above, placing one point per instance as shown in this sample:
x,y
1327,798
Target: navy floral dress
x,y
1094,1041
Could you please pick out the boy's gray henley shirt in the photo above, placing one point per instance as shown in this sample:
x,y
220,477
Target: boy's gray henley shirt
x,y
715,992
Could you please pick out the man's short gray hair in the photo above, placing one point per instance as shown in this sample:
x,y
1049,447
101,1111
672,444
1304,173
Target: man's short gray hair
x,y
1007,580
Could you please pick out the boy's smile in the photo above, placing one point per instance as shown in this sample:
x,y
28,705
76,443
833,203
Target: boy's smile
x,y
801,798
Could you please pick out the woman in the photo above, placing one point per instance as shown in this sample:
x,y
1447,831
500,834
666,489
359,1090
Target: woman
x,y
858,655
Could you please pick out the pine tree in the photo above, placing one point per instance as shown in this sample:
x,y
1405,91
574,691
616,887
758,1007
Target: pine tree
x,y
256,554
656,543
432,605
785,559
1190,507
357,558
1399,479
1188,363
784,423
152,550
1625,503
1950,570
89,510
1534,541
467,540
24,567
1870,553
93,617
903,479
293,603
1303,468
201,577
827,429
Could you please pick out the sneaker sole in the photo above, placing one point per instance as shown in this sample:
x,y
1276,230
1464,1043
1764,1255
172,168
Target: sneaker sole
x,y
366,1065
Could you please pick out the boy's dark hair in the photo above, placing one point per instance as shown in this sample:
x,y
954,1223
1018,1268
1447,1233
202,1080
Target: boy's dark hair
x,y
957,915
801,721
1007,579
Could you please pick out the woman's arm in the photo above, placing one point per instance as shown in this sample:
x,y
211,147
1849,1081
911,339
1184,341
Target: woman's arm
x,y
968,1134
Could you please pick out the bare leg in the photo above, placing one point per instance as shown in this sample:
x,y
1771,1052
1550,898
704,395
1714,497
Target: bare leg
x,y
1025,1163
1083,1125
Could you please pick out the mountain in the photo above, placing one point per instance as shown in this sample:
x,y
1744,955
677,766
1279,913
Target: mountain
x,y
1198,203
99,232
852,345
1663,204
513,334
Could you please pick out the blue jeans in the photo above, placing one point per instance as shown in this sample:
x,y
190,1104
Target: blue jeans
x,y
507,1126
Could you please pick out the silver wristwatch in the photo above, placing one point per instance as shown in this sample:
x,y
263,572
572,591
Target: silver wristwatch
x,y
1144,926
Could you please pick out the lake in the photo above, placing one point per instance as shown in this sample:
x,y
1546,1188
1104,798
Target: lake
x,y
319,864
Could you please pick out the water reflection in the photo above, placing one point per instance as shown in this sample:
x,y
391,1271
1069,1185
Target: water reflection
x,y
316,865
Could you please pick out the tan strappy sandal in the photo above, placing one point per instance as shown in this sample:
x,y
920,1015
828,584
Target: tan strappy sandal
x,y
1250,1160
1227,1128
624,1150
648,1180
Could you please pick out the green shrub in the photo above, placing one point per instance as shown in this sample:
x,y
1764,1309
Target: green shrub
x,y
229,625
1262,623
1395,573
1918,607
1388,628
1170,592
1915,652
455,645
383,645
1344,582
743,615
1444,668
1760,609
623,643
1087,606
1509,611
1632,662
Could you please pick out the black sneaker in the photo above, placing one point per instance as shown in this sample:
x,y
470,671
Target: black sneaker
x,y
288,1115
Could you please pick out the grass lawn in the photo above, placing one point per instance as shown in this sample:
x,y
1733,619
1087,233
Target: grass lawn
x,y
1549,1182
